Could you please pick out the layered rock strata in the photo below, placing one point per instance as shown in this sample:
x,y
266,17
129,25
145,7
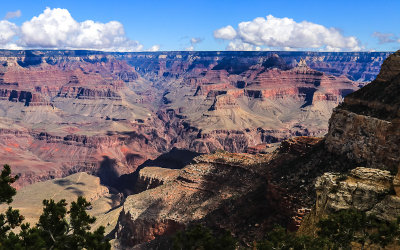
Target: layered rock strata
x,y
107,113
366,127
198,190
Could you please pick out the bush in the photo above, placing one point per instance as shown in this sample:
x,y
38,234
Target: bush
x,y
198,237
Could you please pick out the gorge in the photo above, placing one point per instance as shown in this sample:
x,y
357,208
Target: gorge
x,y
107,113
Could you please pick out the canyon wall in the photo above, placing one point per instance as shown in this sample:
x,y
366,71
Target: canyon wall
x,y
364,129
354,166
107,113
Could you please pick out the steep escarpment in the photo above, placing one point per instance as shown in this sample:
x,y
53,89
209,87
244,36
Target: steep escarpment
x,y
40,156
366,126
365,130
152,177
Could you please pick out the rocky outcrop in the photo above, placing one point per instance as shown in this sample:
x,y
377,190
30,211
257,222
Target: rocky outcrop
x,y
199,190
366,189
224,189
366,126
364,129
246,194
370,141
152,177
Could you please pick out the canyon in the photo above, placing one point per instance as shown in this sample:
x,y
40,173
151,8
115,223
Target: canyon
x,y
355,166
64,112
236,141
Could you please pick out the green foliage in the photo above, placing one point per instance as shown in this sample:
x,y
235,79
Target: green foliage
x,y
338,231
344,227
6,190
198,237
11,218
279,238
55,230
351,225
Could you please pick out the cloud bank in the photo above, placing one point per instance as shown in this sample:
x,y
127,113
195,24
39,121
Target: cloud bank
x,y
57,29
285,33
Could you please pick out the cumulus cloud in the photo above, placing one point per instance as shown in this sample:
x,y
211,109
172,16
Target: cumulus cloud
x,y
238,45
226,33
385,37
286,33
13,14
57,29
8,31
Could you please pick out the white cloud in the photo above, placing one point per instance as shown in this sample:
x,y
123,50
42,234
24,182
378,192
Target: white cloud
x,y
385,37
226,33
154,48
238,45
8,31
56,29
195,40
13,14
286,33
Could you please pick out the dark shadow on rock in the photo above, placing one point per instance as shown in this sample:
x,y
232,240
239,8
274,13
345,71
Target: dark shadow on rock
x,y
108,173
174,159
75,190
63,182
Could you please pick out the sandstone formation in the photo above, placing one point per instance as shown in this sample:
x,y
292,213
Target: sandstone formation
x,y
152,177
364,129
366,126
122,116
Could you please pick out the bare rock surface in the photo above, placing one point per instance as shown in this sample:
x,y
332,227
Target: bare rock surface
x,y
365,189
151,177
366,126
364,129
200,189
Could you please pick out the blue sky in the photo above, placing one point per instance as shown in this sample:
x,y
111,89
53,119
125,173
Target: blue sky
x,y
203,25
